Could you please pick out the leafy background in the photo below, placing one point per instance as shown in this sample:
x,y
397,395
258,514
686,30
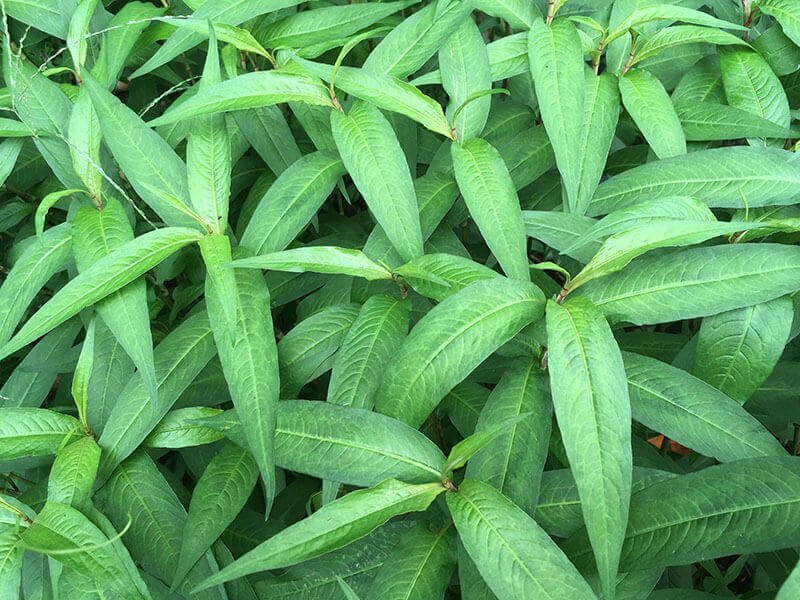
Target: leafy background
x,y
399,300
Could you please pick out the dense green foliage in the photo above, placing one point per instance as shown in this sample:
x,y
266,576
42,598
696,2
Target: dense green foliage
x,y
402,300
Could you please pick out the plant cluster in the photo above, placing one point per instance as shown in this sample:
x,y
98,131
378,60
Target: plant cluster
x,y
402,300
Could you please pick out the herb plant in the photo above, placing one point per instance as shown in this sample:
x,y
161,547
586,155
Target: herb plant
x,y
402,300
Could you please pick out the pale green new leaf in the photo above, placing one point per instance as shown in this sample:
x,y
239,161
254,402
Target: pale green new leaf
x,y
10,562
450,341
380,327
218,496
492,202
667,12
103,277
691,412
251,90
696,282
556,63
84,136
240,38
373,157
514,555
711,121
648,103
82,374
317,259
466,448
73,472
34,431
331,527
737,350
440,275
669,37
590,398
77,43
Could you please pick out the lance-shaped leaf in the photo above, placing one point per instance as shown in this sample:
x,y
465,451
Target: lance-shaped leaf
x,y
513,462
694,414
696,282
179,429
249,359
419,567
667,12
492,201
737,350
331,527
750,84
464,67
710,121
11,552
240,38
601,113
790,587
251,90
84,136
72,539
34,431
787,13
409,45
466,448
292,201
590,397
9,152
556,63
440,275
450,341
720,177
103,277
218,496
352,445
74,469
648,103
224,11
317,259
741,507
95,235
379,328
676,35
518,13
178,360
154,170
35,266
208,153
320,25
513,554
386,92
621,248
375,161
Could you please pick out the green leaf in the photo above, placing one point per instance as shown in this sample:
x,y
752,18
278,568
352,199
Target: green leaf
x,y
648,103
178,359
249,359
85,136
518,13
35,266
333,526
667,12
751,85
693,413
590,397
179,429
292,201
240,38
737,350
385,92
513,462
208,153
711,121
95,235
450,341
78,27
154,170
466,448
737,508
374,159
251,90
9,151
82,373
556,63
696,282
46,204
320,25
10,562
73,472
103,277
464,67
513,554
676,35
492,202
787,14
601,113
218,496
419,567
34,431
790,587
70,538
720,177
439,275
317,259
380,327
